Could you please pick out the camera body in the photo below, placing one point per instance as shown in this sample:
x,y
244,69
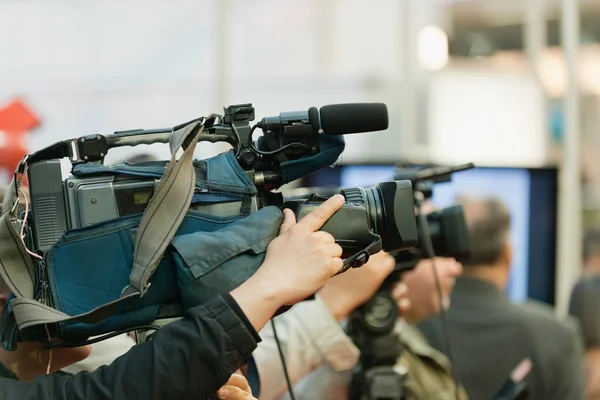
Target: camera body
x,y
77,202
99,216
293,145
382,207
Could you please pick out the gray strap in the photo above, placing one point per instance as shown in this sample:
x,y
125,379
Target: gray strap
x,y
166,209
159,224
12,198
16,267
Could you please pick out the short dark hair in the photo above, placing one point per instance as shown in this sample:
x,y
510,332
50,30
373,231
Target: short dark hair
x,y
488,221
591,243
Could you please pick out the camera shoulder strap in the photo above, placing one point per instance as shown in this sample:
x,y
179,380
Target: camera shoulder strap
x,y
166,210
158,226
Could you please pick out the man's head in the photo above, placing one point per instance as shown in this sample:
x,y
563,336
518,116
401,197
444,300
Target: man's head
x,y
488,221
591,251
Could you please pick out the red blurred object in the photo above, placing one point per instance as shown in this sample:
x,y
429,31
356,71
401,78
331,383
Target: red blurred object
x,y
16,121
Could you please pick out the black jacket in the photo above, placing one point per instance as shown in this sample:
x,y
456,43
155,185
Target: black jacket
x,y
188,359
489,336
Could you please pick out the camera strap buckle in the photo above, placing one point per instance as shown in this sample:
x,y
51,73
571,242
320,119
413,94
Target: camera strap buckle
x,y
362,257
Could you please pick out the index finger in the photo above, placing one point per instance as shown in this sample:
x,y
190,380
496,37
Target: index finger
x,y
317,217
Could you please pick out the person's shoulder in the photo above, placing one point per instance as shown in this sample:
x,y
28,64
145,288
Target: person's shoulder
x,y
414,340
586,287
543,321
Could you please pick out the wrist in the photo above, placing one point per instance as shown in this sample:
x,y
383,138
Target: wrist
x,y
259,300
339,307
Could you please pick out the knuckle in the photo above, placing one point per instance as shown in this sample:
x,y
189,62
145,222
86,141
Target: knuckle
x,y
318,213
336,264
328,237
316,239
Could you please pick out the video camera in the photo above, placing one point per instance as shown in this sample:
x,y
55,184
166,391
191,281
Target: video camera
x,y
445,228
294,144
442,233
96,217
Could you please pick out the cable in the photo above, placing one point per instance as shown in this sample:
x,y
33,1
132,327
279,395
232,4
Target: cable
x,y
426,239
49,353
285,371
22,233
269,153
238,139
99,338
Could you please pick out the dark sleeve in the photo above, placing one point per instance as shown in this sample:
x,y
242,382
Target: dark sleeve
x,y
188,359
584,305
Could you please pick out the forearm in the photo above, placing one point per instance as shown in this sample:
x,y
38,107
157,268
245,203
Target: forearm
x,y
310,337
191,358
258,299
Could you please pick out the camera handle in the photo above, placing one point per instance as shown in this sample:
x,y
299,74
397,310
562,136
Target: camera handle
x,y
372,329
381,383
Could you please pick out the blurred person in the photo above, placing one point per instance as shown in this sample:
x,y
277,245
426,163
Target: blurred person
x,y
591,252
193,357
310,334
584,305
320,356
489,334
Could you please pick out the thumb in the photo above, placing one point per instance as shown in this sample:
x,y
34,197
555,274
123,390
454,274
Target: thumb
x,y
233,393
289,220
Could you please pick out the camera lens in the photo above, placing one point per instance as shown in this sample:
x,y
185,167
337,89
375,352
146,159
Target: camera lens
x,y
449,233
390,211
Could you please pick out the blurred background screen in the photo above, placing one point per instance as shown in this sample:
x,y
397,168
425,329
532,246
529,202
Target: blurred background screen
x,y
529,193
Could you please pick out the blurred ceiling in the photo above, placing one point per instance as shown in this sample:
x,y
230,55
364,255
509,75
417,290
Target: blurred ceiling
x,y
483,27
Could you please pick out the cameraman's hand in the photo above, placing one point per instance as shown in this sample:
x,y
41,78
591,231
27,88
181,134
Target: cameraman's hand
x,y
347,291
302,259
298,263
400,294
236,388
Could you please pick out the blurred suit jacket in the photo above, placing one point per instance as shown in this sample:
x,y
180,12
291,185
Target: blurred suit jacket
x,y
490,335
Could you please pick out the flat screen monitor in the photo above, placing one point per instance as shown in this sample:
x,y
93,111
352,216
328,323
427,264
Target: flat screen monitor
x,y
529,194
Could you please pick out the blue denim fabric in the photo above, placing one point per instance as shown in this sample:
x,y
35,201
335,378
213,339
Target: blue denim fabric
x,y
89,267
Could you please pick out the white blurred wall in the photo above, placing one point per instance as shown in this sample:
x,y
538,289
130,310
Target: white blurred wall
x,y
99,66
487,117
89,67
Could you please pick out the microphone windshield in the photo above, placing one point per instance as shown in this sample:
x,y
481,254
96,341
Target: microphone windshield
x,y
341,119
